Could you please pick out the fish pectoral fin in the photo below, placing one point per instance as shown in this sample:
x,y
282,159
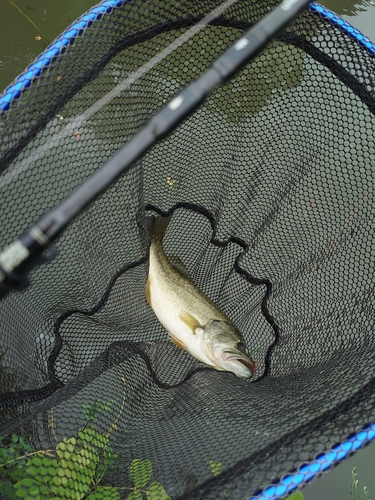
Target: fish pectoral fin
x,y
189,321
178,342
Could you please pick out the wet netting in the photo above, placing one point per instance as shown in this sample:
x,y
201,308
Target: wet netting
x,y
271,186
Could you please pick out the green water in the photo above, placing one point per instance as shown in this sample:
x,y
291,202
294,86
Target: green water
x,y
19,47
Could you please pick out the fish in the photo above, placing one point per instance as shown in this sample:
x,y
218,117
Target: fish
x,y
194,323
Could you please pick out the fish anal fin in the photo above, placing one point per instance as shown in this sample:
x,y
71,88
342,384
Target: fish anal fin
x,y
148,292
189,321
178,342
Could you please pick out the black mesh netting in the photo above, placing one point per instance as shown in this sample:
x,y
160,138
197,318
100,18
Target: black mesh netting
x,y
271,185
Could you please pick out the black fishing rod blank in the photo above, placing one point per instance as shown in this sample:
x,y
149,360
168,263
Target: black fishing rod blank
x,y
27,252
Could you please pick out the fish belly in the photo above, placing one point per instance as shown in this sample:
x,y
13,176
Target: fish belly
x,y
169,307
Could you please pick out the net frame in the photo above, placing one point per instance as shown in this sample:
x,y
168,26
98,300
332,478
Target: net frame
x,y
353,442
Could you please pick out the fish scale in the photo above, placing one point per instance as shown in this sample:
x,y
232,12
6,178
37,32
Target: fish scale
x,y
193,321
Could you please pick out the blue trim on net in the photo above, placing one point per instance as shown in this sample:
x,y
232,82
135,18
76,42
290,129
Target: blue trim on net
x,y
344,26
326,460
322,462
353,443
58,47
332,457
34,71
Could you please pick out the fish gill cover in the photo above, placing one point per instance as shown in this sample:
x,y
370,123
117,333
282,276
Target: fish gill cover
x,y
271,187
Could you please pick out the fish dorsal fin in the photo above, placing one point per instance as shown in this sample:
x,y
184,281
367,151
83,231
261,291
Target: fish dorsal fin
x,y
190,321
179,265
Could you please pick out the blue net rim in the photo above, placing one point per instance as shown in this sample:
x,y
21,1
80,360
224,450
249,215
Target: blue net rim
x,y
68,37
307,471
322,462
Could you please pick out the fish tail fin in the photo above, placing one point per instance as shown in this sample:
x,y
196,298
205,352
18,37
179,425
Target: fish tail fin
x,y
157,226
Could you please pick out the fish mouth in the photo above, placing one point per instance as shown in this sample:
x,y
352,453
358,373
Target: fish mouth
x,y
250,365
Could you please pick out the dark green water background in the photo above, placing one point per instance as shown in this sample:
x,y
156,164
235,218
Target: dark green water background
x,y
18,48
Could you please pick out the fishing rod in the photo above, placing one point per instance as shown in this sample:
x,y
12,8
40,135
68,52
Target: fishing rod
x,y
24,254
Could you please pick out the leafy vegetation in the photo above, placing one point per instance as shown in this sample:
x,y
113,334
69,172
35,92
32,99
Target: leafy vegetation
x,y
141,472
355,491
73,469
215,467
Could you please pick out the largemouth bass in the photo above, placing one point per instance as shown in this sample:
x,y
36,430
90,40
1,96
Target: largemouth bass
x,y
193,321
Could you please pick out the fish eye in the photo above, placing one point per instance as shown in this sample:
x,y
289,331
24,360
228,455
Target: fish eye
x,y
241,347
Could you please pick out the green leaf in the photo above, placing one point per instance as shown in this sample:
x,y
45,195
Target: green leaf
x,y
109,456
36,460
44,490
156,492
29,488
100,471
3,472
105,406
45,461
25,482
41,474
89,435
21,493
99,405
296,496
215,467
24,446
135,495
16,472
75,475
141,472
90,411
33,471
66,447
52,468
7,490
105,493
42,469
